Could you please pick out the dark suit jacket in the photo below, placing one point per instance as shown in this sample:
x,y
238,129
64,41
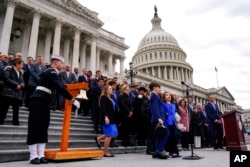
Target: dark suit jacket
x,y
125,105
212,113
34,74
107,109
67,80
26,74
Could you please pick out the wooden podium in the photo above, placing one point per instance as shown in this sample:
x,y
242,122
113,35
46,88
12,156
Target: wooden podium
x,y
64,153
235,139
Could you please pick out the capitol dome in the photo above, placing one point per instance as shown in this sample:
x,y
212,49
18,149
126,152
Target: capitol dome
x,y
157,35
159,56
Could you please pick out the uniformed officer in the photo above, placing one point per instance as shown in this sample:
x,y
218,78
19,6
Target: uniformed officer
x,y
39,114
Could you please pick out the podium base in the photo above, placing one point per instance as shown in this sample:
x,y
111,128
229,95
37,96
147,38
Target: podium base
x,y
73,154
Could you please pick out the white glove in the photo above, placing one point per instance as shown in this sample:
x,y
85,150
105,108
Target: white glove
x,y
76,103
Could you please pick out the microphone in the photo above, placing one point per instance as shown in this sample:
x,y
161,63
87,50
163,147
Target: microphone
x,y
183,83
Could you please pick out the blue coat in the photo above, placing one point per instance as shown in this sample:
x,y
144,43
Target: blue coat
x,y
156,107
170,110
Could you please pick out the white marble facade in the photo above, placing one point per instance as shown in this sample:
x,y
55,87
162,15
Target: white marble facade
x,y
62,27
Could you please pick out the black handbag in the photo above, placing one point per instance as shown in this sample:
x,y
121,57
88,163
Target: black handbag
x,y
160,130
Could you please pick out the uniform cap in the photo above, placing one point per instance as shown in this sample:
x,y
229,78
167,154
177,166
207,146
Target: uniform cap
x,y
57,57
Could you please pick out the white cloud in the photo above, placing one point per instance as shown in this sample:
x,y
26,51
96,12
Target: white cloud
x,y
211,32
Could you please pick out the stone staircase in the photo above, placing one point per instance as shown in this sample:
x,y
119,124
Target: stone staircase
x,y
13,138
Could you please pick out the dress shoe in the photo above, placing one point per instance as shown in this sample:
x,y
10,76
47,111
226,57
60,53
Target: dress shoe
x,y
159,155
97,143
35,161
43,160
174,155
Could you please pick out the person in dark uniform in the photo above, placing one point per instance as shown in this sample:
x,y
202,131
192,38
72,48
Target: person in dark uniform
x,y
39,115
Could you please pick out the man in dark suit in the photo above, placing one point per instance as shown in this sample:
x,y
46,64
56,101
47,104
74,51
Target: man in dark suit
x,y
204,120
95,111
67,77
35,71
85,103
26,76
214,121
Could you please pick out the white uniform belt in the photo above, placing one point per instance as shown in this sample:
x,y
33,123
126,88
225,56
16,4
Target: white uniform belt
x,y
42,88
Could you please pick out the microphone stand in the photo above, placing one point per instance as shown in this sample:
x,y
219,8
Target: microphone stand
x,y
193,156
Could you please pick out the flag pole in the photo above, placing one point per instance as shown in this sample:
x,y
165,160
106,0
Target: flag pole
x,y
216,70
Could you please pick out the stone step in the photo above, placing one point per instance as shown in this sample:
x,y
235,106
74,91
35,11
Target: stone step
x,y
53,122
55,116
55,136
52,129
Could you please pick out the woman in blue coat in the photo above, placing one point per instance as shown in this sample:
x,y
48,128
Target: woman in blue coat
x,y
170,110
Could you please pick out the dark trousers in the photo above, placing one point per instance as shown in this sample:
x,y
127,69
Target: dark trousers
x,y
150,138
185,139
38,121
95,114
126,129
4,107
216,135
204,137
84,107
172,142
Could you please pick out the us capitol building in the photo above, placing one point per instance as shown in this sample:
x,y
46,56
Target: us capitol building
x,y
65,27
159,57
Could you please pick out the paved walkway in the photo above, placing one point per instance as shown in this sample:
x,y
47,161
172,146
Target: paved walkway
x,y
211,159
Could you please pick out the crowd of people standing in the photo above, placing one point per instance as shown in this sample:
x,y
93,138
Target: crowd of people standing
x,y
135,114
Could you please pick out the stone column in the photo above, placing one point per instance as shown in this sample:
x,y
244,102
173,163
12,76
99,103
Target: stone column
x,y
147,71
48,38
182,74
186,75
159,71
98,52
165,73
76,49
7,26
110,61
171,73
34,33
57,36
83,56
93,55
26,40
191,76
66,50
153,71
177,74
122,66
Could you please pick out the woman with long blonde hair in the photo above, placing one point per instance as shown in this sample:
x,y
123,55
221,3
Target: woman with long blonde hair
x,y
107,119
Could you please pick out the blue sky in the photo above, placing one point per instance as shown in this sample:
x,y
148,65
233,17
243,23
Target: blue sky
x,y
211,32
